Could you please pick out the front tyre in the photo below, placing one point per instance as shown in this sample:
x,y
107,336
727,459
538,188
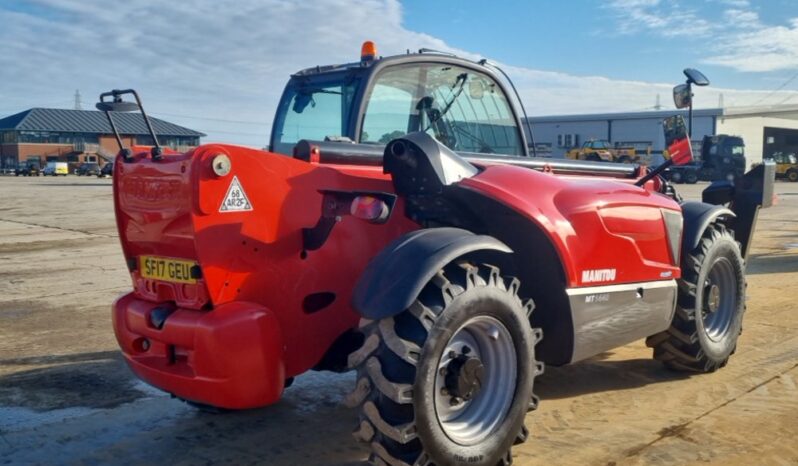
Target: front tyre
x,y
711,302
449,380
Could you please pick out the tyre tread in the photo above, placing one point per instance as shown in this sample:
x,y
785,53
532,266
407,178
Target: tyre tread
x,y
679,347
392,436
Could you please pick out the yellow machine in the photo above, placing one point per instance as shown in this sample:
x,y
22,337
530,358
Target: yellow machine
x,y
786,166
601,150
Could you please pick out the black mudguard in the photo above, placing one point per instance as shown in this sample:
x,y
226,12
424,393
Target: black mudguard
x,y
697,217
751,192
396,276
745,197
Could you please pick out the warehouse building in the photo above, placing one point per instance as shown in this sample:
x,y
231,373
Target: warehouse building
x,y
765,130
77,136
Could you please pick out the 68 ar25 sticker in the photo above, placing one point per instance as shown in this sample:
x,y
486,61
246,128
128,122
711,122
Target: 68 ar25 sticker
x,y
236,199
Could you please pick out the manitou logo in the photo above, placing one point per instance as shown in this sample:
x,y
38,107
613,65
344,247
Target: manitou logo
x,y
598,275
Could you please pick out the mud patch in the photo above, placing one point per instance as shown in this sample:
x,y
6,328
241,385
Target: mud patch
x,y
23,418
97,383
772,263
35,246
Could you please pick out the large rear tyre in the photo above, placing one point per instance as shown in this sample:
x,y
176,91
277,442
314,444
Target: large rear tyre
x,y
449,380
711,303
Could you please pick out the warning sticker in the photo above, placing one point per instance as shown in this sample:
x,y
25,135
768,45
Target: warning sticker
x,y
236,199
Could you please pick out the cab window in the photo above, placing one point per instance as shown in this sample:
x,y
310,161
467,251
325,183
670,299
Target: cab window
x,y
313,109
463,109
390,113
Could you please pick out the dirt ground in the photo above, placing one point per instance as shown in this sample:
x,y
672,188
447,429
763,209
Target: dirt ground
x,y
67,397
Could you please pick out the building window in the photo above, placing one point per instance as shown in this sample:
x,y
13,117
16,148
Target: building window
x,y
567,140
53,137
143,140
174,142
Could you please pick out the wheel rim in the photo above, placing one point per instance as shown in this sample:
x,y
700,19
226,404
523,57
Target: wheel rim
x,y
470,421
719,299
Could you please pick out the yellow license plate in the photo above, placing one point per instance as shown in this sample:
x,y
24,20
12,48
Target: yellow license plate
x,y
166,269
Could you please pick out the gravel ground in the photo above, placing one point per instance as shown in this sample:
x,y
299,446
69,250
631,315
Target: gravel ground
x,y
66,396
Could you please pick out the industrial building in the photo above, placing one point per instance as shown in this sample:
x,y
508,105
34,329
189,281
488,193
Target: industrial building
x,y
77,136
765,130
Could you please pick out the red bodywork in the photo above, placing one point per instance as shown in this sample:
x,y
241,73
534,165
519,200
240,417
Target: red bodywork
x,y
236,334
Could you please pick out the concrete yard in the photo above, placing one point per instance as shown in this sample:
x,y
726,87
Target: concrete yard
x,y
66,396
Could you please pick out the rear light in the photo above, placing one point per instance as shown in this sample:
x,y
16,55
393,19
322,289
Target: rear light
x,y
369,208
141,345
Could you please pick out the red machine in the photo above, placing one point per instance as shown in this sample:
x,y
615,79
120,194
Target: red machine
x,y
398,193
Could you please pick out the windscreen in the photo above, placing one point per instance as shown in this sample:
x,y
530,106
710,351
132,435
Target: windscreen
x,y
463,109
313,109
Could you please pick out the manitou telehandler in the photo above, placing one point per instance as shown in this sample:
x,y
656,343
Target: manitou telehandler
x,y
433,265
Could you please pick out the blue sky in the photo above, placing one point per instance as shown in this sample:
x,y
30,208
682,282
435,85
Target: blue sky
x,y
219,66
615,39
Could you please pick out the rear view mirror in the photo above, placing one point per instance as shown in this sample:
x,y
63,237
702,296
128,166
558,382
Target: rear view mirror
x,y
677,140
301,102
696,77
682,97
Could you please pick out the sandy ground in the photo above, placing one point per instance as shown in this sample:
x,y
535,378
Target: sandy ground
x,y
67,397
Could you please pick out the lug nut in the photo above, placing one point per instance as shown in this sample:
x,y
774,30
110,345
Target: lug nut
x,y
454,401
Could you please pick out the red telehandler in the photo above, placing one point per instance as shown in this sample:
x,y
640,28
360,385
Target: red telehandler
x,y
397,226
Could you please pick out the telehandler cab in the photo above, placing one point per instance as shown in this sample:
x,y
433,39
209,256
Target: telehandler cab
x,y
397,226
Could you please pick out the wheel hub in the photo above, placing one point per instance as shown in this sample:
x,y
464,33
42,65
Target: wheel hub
x,y
475,380
713,298
464,377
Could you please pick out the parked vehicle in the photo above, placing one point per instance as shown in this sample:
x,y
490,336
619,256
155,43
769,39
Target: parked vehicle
x,y
28,168
56,169
455,249
88,169
601,150
722,158
107,170
786,166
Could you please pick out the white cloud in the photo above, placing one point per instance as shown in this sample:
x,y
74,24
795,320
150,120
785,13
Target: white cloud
x,y
668,19
740,40
220,67
759,47
227,59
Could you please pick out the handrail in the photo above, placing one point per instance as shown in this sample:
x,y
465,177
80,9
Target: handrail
x,y
329,152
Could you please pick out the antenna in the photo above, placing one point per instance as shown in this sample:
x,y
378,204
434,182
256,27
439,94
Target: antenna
x,y
78,103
